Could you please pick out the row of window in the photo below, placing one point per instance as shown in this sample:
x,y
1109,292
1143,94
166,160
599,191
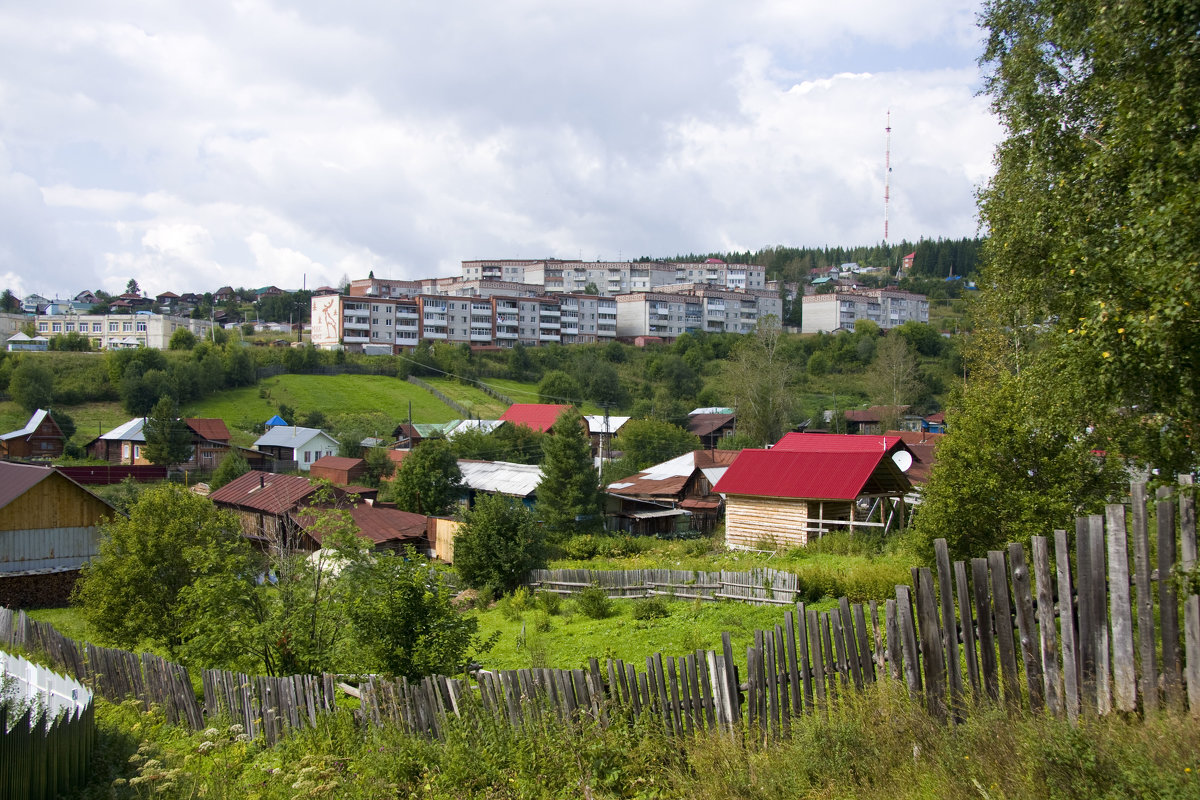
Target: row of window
x,y
97,327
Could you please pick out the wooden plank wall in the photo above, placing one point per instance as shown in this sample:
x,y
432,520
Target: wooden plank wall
x,y
1083,631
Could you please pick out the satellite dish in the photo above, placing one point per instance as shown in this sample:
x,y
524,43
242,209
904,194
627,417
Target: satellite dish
x,y
902,459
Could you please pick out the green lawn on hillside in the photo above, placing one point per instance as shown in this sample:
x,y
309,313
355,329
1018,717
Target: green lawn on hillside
x,y
91,419
481,404
522,392
243,408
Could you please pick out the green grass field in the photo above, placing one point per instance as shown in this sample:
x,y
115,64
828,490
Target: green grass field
x,y
482,404
331,394
574,638
522,392
91,419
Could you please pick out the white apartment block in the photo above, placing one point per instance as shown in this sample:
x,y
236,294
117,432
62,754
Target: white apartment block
x,y
371,324
116,331
689,308
840,310
615,277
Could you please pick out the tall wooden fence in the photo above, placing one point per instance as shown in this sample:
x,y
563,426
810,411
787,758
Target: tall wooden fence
x,y
47,731
265,706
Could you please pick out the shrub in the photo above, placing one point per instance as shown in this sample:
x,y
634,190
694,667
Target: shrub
x,y
549,602
594,603
651,608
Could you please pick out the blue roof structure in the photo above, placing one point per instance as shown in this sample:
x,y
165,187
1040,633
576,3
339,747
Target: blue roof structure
x,y
275,420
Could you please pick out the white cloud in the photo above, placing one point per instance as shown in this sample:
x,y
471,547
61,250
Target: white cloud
x,y
252,143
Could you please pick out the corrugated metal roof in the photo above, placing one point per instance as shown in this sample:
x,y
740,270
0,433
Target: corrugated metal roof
x,y
380,525
838,443
30,427
129,432
704,424
596,423
538,416
290,436
482,425
213,430
501,477
264,491
818,475
710,410
337,462
670,477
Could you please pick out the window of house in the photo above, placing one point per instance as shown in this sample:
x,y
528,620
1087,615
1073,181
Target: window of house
x,y
126,327
141,326
307,456
43,327
112,327
97,327
71,327
137,451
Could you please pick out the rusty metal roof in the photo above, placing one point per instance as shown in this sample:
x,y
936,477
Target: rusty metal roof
x,y
264,491
17,479
213,430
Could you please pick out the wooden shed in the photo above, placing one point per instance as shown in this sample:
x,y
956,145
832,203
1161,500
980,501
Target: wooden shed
x,y
810,486
49,528
337,469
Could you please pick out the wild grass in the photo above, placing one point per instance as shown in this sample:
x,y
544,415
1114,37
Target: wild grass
x,y
877,745
481,404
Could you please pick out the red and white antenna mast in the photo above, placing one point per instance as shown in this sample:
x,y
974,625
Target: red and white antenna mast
x,y
887,173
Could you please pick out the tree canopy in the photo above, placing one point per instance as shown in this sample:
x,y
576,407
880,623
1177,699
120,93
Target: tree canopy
x,y
498,543
168,438
568,498
429,480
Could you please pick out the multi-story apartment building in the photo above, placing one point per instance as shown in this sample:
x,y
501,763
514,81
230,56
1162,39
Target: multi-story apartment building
x,y
115,331
688,308
615,277
840,310
392,324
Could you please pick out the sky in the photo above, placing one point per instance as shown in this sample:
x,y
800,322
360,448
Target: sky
x,y
192,145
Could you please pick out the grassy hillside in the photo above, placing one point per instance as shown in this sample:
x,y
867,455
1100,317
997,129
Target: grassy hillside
x,y
483,405
330,394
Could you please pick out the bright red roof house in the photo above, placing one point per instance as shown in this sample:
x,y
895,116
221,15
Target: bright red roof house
x,y
814,484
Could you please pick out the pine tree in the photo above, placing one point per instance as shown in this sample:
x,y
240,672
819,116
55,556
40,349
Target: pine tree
x,y
568,498
168,438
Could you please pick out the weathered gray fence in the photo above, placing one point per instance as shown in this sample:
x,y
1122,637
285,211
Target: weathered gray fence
x,y
763,585
1083,630
1060,635
266,706
47,732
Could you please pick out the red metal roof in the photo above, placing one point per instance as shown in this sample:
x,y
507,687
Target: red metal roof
x,y
264,491
838,443
213,430
380,525
537,416
337,462
819,475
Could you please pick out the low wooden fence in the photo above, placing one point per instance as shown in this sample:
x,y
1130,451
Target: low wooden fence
x,y
107,474
47,732
265,706
461,409
763,585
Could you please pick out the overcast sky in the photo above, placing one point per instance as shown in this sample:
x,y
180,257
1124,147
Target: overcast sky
x,y
194,145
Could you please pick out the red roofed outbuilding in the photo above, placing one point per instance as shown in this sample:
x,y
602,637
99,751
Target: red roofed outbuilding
x,y
535,416
814,484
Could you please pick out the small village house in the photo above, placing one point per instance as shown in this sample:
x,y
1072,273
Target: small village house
x,y
810,484
300,446
679,491
39,438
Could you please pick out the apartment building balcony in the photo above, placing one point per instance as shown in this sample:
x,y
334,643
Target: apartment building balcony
x,y
549,325
481,337
356,325
549,311
428,334
507,305
435,319
406,337
570,330
548,337
407,313
356,339
434,309
507,335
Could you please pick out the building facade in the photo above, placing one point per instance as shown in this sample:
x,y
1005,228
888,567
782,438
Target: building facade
x,y
615,277
887,308
115,331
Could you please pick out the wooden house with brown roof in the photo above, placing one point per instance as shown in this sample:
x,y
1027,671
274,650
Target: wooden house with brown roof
x,y
642,503
39,438
711,428
338,469
49,528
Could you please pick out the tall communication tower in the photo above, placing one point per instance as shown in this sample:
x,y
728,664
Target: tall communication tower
x,y
887,173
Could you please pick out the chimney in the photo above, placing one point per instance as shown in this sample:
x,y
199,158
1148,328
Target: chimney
x,y
262,480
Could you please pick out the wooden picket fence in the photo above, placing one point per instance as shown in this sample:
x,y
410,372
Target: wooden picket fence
x,y
1089,630
266,706
762,585
1067,638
